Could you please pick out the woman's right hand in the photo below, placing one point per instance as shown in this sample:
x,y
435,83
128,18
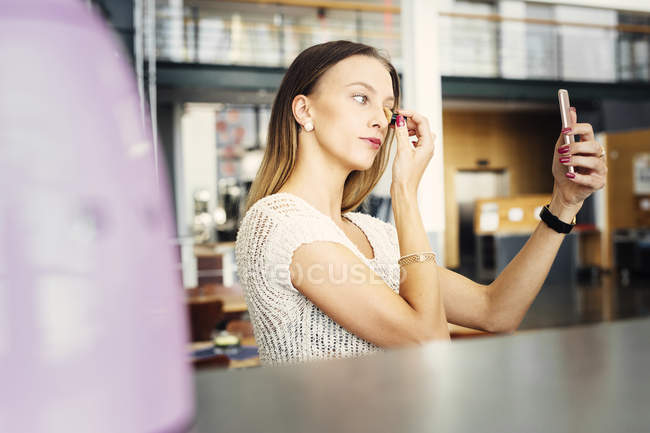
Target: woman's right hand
x,y
411,160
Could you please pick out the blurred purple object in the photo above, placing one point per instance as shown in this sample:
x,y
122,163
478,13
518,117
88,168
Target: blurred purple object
x,y
93,332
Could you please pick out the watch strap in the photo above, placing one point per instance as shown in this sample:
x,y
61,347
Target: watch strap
x,y
554,222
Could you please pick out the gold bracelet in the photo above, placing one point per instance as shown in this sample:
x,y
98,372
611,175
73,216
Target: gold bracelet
x,y
417,258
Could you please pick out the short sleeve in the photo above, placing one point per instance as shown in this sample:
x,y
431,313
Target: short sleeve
x,y
287,325
269,234
288,234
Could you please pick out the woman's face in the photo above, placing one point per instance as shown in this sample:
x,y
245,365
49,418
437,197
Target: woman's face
x,y
347,109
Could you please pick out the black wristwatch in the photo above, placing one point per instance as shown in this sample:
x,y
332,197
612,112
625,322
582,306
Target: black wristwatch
x,y
554,222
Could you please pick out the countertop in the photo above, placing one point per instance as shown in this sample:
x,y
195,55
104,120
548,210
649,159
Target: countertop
x,y
593,378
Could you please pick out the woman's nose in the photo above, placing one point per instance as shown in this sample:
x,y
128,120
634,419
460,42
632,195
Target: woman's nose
x,y
379,119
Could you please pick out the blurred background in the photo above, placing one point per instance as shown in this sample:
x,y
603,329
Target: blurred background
x,y
208,71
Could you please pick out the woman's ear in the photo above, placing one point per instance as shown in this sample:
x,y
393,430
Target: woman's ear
x,y
301,110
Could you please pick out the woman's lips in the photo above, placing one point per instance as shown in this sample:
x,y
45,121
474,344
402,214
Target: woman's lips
x,y
374,142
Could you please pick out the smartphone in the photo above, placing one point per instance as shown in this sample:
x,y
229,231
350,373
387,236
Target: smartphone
x,y
565,114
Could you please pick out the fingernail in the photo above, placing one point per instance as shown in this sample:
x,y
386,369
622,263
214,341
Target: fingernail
x,y
565,159
400,120
566,130
570,175
573,108
563,149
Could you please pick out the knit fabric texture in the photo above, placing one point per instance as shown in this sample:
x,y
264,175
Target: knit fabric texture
x,y
288,327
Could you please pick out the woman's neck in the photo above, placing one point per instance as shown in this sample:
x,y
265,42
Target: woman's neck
x,y
318,178
328,203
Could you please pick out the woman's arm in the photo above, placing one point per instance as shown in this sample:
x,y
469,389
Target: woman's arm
x,y
515,289
364,304
502,305
419,282
420,285
353,295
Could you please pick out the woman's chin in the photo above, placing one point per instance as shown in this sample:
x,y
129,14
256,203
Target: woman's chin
x,y
362,162
364,165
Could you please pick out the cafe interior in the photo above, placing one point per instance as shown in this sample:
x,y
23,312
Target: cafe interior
x,y
132,131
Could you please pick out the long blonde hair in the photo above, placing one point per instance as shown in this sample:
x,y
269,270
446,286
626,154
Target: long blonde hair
x,y
282,139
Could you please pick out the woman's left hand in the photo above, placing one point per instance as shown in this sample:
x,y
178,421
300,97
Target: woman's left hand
x,y
589,166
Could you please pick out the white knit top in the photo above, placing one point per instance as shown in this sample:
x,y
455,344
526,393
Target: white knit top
x,y
288,327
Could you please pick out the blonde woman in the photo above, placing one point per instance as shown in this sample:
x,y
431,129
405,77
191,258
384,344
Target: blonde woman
x,y
323,281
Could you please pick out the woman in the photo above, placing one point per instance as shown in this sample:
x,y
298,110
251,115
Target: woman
x,y
322,281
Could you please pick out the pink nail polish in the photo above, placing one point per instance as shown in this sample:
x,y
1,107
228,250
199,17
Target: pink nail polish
x,y
563,149
565,159
400,120
570,175
566,130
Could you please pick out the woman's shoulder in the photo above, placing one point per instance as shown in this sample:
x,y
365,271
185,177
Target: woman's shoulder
x,y
280,212
275,225
278,206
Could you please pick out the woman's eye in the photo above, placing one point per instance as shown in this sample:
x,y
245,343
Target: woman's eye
x,y
361,96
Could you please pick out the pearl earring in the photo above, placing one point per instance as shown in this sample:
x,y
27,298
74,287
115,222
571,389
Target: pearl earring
x,y
309,126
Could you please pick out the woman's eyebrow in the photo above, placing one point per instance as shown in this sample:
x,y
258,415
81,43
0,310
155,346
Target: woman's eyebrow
x,y
369,87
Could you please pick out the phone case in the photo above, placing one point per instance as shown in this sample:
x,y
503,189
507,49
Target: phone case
x,y
565,113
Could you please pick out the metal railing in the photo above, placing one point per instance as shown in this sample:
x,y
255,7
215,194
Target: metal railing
x,y
265,33
250,33
495,46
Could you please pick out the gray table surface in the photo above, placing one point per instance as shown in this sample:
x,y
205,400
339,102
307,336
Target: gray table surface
x,y
592,378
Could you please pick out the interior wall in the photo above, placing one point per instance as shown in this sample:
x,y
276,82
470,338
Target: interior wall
x,y
622,206
520,142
